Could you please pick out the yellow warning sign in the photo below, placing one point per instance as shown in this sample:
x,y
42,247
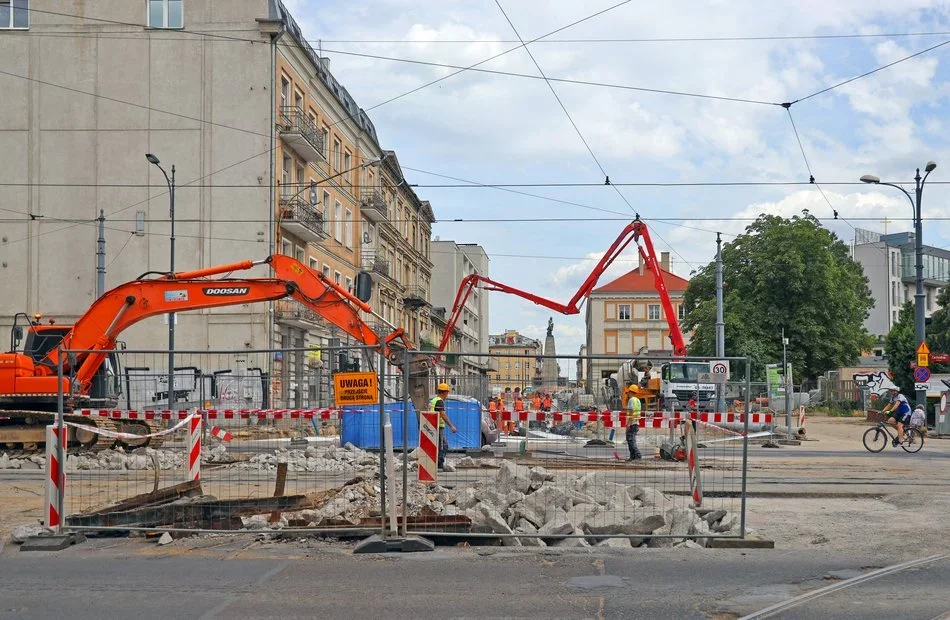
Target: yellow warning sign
x,y
923,355
355,388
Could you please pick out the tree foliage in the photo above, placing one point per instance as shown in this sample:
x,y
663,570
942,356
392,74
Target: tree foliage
x,y
790,273
900,344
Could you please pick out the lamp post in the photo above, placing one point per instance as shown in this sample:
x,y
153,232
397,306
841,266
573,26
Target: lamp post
x,y
152,159
920,328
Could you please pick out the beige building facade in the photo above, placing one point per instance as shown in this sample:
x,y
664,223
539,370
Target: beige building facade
x,y
272,155
514,369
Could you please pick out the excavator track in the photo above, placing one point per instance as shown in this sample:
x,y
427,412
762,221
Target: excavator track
x,y
24,433
140,427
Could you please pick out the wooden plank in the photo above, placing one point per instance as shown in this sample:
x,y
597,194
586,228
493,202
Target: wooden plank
x,y
279,489
201,512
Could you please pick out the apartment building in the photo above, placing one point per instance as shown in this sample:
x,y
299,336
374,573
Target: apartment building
x,y
625,317
452,262
889,264
514,370
271,153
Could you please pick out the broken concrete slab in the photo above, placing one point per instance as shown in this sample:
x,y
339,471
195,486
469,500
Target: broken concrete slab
x,y
165,539
557,526
714,516
615,543
22,532
512,477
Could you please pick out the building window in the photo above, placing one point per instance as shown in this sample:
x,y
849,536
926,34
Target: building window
x,y
337,276
893,316
506,366
517,365
301,178
326,203
314,264
681,311
930,300
346,166
349,284
298,100
285,178
326,271
326,143
337,221
894,301
653,312
348,229
300,254
623,312
14,14
894,256
337,153
286,248
161,13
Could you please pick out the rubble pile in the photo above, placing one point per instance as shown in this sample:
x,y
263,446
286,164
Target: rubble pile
x,y
329,459
549,508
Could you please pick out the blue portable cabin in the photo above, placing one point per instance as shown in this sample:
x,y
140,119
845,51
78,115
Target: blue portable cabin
x,y
360,425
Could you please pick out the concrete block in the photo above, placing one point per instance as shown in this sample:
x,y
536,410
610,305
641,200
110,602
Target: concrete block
x,y
557,526
615,543
512,477
714,517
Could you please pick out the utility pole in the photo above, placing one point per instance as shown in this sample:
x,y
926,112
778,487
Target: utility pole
x,y
785,382
101,255
720,324
152,159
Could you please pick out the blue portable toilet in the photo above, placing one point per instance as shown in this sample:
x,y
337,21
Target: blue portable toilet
x,y
359,425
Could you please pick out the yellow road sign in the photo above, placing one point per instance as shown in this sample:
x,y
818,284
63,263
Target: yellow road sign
x,y
923,355
355,388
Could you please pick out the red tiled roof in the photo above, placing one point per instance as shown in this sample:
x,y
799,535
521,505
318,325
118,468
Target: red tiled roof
x,y
633,282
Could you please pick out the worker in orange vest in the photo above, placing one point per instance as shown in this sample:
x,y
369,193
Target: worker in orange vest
x,y
536,402
546,404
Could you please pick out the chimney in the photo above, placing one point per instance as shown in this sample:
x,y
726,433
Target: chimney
x,y
642,264
665,261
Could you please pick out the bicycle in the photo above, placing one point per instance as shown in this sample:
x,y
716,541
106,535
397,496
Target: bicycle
x,y
877,437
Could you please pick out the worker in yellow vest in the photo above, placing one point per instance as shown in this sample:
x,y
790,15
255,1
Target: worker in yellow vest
x,y
633,427
437,404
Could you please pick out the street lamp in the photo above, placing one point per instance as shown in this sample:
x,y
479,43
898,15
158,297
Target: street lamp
x,y
152,159
919,320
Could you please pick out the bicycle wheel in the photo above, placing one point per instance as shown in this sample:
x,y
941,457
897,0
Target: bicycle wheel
x,y
913,441
875,439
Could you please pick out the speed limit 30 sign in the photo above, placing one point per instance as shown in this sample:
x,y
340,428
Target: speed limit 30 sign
x,y
719,367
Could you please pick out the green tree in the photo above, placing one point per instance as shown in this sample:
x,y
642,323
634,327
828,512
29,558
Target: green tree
x,y
790,273
900,344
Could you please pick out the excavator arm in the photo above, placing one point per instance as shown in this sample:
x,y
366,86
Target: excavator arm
x,y
127,304
633,232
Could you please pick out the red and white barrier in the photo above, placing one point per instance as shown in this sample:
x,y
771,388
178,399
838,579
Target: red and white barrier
x,y
212,414
220,433
194,449
428,446
618,419
692,462
55,478
801,416
119,435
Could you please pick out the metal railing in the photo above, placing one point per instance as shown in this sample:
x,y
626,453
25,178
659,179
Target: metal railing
x,y
294,122
374,205
377,265
303,219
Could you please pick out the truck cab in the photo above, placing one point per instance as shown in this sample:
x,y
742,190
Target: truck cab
x,y
680,383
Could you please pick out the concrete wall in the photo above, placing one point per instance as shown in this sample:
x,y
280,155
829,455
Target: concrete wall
x,y
77,143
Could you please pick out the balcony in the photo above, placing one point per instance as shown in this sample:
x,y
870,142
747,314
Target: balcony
x,y
373,206
377,265
303,220
294,313
415,297
300,133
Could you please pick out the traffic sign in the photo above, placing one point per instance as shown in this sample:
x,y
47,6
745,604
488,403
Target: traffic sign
x,y
943,403
711,377
719,367
921,387
922,374
923,355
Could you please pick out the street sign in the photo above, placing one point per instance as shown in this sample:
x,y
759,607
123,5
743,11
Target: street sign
x,y
923,355
719,367
922,374
921,387
711,377
355,388
940,358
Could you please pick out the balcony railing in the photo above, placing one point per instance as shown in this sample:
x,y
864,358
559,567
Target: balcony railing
x,y
303,220
377,265
292,312
301,133
415,297
373,205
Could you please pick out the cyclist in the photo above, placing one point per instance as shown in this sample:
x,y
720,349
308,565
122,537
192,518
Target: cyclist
x,y
899,410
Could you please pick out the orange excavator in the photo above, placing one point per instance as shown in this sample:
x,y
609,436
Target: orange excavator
x,y
29,383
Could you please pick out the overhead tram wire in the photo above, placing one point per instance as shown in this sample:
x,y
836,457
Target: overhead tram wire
x,y
573,123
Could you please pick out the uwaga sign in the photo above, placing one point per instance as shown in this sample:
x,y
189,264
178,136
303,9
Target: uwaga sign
x,y
355,388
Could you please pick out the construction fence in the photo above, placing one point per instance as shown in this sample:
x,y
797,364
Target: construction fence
x,y
235,452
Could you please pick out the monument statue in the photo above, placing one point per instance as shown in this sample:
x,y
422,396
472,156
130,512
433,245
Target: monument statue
x,y
550,326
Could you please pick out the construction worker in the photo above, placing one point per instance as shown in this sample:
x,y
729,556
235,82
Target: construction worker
x,y
546,402
633,427
437,404
536,401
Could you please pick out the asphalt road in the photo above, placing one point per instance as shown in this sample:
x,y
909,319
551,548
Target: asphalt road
x,y
241,578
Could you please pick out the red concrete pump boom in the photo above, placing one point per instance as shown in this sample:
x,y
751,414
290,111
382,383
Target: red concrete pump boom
x,y
635,231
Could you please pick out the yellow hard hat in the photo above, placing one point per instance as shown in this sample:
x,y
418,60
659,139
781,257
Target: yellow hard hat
x,y
444,387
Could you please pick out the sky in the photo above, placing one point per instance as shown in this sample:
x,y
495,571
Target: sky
x,y
500,129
